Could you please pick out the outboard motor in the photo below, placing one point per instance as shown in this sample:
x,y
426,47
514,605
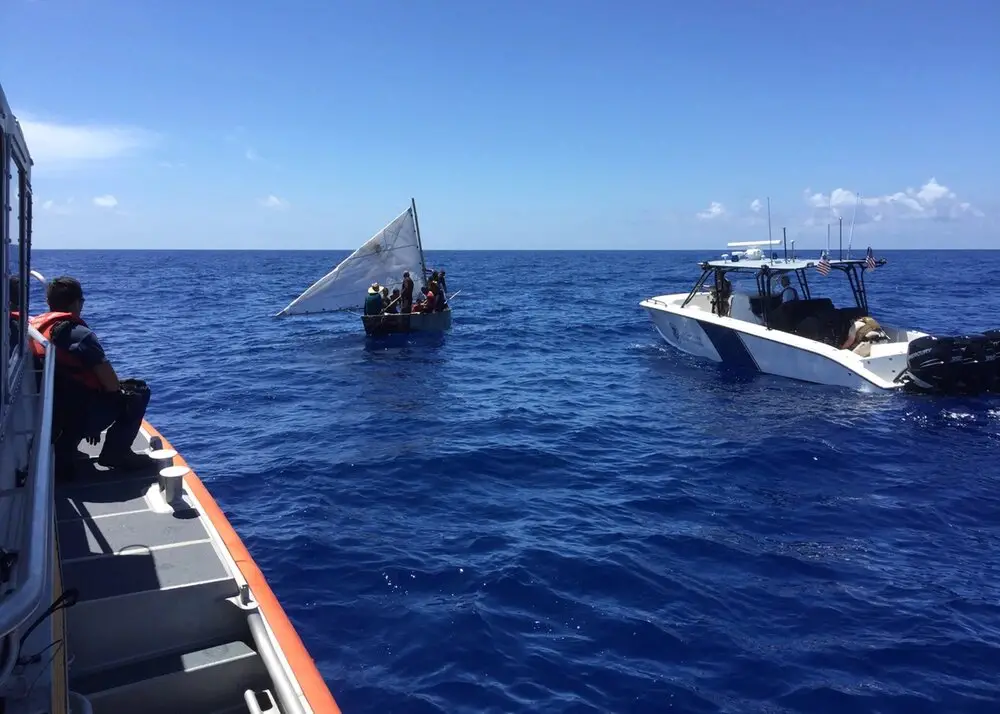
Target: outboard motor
x,y
954,365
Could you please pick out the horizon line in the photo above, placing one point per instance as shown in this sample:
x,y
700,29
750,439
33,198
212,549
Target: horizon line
x,y
478,250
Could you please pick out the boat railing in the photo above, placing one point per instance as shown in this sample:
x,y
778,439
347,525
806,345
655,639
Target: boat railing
x,y
290,703
36,551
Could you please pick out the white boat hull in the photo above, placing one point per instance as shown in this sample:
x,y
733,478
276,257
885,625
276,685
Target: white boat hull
x,y
754,348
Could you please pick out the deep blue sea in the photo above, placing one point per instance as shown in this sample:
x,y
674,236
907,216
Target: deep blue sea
x,y
548,510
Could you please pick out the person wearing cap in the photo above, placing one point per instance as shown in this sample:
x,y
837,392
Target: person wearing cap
x,y
373,303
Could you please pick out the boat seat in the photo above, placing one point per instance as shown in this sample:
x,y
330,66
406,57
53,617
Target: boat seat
x,y
788,315
741,308
757,303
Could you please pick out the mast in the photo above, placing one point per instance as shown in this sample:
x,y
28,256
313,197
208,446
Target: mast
x,y
416,225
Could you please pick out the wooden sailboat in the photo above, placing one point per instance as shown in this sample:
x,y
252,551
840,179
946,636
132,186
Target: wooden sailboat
x,y
382,259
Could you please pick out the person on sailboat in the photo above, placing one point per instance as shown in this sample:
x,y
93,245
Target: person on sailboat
x,y
385,298
406,294
427,300
440,301
373,303
430,304
393,308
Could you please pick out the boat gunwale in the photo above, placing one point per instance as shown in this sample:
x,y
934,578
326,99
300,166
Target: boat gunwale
x,y
310,683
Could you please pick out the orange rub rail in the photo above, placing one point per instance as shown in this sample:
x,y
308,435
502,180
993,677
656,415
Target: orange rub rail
x,y
313,686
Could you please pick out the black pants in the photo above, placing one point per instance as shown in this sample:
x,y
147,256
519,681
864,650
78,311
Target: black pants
x,y
82,413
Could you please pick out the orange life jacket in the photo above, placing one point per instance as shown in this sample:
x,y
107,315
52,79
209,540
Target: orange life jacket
x,y
67,364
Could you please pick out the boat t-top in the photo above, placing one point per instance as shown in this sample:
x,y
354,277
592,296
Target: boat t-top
x,y
761,326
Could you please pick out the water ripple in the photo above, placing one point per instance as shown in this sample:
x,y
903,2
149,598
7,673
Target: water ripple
x,y
549,510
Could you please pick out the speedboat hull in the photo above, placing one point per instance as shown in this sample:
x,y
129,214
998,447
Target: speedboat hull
x,y
391,324
749,347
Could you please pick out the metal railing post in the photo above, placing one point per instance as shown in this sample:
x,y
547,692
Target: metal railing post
x,y
36,550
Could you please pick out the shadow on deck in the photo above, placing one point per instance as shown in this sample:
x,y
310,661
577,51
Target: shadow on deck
x,y
154,629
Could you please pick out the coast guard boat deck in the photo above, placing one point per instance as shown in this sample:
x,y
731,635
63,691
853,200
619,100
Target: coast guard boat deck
x,y
120,591
163,620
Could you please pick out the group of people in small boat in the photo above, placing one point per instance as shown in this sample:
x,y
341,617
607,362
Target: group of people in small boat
x,y
89,396
431,298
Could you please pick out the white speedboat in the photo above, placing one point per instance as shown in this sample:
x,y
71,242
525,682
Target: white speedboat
x,y
751,327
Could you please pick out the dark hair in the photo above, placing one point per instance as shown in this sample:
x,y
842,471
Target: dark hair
x,y
62,292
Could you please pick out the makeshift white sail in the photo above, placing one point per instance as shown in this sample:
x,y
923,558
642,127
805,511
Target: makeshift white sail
x,y
382,259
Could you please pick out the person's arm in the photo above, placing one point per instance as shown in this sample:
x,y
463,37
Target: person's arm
x,y
91,352
107,376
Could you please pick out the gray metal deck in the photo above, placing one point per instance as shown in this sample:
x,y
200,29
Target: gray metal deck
x,y
153,629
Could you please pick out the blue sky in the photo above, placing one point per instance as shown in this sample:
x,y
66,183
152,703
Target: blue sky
x,y
520,124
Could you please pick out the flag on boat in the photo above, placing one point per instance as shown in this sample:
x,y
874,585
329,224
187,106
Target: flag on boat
x,y
870,259
823,266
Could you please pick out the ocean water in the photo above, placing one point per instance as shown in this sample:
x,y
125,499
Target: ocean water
x,y
548,510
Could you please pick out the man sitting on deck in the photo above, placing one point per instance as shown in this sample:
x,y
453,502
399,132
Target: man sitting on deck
x,y
89,397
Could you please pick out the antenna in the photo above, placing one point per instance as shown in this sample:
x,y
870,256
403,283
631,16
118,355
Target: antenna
x,y
828,239
784,239
850,238
769,218
841,219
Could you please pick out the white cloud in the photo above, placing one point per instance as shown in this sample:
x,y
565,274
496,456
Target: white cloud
x,y
715,210
252,155
274,203
932,201
105,201
756,205
53,143
57,208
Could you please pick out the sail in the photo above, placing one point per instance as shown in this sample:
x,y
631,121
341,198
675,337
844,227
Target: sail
x,y
382,259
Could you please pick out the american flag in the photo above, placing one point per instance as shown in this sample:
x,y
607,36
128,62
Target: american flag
x,y
823,266
870,259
